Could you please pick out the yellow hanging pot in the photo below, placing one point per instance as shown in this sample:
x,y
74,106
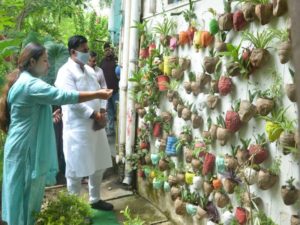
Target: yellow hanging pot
x,y
189,177
273,131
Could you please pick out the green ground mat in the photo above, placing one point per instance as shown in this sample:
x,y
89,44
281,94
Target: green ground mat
x,y
104,218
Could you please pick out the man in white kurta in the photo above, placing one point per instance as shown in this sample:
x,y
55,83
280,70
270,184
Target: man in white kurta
x,y
86,150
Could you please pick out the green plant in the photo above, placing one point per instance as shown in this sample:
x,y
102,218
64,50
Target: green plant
x,y
130,219
253,1
275,91
281,34
260,218
190,197
221,121
275,166
64,210
166,27
261,40
290,183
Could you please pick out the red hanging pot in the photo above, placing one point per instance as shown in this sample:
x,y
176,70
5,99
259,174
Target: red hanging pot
x,y
144,53
162,82
241,215
157,130
208,164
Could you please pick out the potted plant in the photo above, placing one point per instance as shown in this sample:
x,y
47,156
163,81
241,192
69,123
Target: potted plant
x,y
264,11
171,146
210,62
175,192
268,177
172,90
279,7
221,198
261,41
164,161
213,23
201,209
284,46
295,220
158,180
180,206
186,113
208,163
247,110
287,137
289,192
242,153
222,134
258,151
232,118
239,21
241,215
165,30
290,89
207,187
226,20
197,120
230,182
265,101
225,85
248,9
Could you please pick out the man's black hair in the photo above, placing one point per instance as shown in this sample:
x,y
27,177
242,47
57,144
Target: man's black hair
x,y
93,54
75,41
106,45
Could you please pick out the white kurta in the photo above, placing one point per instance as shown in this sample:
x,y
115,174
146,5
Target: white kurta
x,y
85,150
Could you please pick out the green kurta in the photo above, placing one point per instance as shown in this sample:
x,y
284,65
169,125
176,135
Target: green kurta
x,y
30,158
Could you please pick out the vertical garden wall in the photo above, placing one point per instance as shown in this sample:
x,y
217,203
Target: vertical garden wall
x,y
215,96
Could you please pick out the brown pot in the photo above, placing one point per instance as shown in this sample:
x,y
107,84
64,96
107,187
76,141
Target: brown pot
x,y
163,165
207,188
201,213
221,199
166,116
147,159
196,164
266,180
196,87
214,86
186,114
213,131
247,111
141,112
279,7
297,139
175,193
259,153
171,94
249,11
229,185
173,181
226,22
264,106
223,135
284,51
206,134
230,162
197,121
177,73
179,207
264,13
187,86
184,63
220,46
210,63
287,140
290,90
295,220
212,101
289,195
242,156
179,109
188,153
233,69
180,178
259,57
204,79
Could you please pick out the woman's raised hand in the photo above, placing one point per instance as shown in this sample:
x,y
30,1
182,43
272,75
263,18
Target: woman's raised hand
x,y
105,93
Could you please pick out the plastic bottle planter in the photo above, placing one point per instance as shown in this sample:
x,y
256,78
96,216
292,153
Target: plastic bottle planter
x,y
171,148
227,217
157,184
191,209
162,82
220,163
167,187
147,172
155,158
197,182
189,178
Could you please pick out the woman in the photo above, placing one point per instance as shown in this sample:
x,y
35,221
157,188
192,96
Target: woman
x,y
29,152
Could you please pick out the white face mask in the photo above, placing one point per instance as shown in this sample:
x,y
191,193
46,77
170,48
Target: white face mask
x,y
82,57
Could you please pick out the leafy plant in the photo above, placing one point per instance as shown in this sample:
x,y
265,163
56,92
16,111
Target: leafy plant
x,y
261,40
281,34
260,218
130,219
275,166
274,91
166,27
253,1
221,121
65,209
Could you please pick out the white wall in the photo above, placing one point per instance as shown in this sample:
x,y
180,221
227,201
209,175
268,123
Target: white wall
x,y
272,202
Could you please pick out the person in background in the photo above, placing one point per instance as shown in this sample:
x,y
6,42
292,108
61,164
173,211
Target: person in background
x,y
30,159
85,144
108,65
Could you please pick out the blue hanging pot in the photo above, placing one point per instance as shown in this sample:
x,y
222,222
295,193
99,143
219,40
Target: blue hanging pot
x,y
220,164
191,209
167,187
171,146
157,184
154,158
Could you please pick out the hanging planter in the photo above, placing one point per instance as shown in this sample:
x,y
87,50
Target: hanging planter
x,y
206,39
239,21
180,177
171,146
197,121
157,184
186,114
166,186
151,49
258,151
264,12
229,185
225,22
201,213
144,53
163,164
210,63
242,153
213,131
289,193
280,7
241,215
295,220
220,165
196,87
225,85
173,43
223,134
196,164
162,82
246,111
232,119
266,179
191,31
290,90
251,175
212,101
227,217
189,176
191,209
172,180
179,109
183,38
187,86
184,63
284,51
180,207
197,182
208,164
157,129
287,141
177,73
197,40
264,106
249,11
155,158
221,199
231,162
207,187
188,154
175,193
